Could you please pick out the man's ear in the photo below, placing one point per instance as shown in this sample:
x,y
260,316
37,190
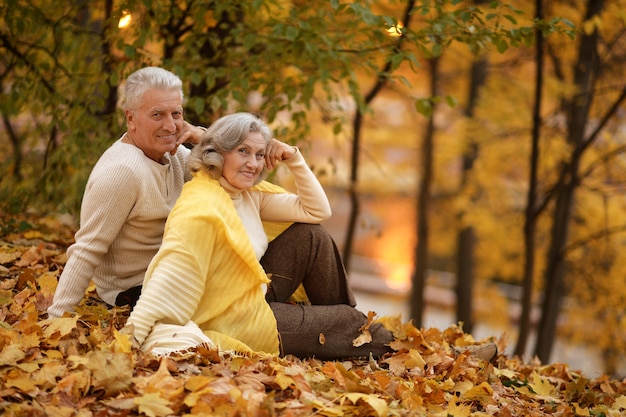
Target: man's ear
x,y
129,118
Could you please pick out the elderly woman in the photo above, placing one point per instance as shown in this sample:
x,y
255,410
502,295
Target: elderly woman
x,y
218,279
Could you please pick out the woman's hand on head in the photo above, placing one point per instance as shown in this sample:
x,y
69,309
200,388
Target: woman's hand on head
x,y
276,152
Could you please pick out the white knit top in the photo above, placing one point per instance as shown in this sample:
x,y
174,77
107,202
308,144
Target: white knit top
x,y
125,205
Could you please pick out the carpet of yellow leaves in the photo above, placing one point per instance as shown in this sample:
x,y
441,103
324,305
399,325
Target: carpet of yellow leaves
x,y
82,366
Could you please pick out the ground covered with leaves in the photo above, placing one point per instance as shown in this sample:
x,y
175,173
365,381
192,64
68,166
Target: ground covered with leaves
x,y
83,366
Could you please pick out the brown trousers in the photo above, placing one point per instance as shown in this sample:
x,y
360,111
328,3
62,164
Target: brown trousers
x,y
306,254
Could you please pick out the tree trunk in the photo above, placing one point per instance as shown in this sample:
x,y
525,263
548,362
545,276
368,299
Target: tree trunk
x,y
555,270
466,240
577,112
355,203
110,106
16,171
465,278
530,221
423,203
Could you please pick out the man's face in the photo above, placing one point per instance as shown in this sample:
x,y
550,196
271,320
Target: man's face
x,y
243,164
156,124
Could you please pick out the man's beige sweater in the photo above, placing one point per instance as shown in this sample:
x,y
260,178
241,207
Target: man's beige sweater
x,y
125,205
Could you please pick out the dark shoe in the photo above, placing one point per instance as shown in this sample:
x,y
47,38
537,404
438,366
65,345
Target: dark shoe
x,y
486,351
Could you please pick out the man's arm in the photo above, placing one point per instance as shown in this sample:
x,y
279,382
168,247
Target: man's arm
x,y
189,134
104,210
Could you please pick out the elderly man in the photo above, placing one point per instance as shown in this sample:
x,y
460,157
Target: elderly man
x,y
130,192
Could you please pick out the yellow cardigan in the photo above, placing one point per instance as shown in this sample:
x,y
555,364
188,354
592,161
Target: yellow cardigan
x,y
206,272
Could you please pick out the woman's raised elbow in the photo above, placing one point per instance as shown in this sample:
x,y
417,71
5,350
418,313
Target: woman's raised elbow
x,y
324,214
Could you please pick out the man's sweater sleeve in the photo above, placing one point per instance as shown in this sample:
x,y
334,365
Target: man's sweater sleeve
x,y
106,204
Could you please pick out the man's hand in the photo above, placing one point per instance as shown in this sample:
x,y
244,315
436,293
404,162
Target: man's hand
x,y
276,152
189,134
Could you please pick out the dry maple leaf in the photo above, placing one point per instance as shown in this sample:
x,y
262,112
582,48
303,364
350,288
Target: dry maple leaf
x,y
58,327
170,387
111,372
362,339
8,255
297,377
377,404
365,336
153,405
30,257
11,355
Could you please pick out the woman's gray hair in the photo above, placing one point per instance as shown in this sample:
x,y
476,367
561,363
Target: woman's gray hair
x,y
223,136
149,78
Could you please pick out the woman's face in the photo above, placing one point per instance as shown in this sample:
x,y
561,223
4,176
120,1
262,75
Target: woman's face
x,y
244,164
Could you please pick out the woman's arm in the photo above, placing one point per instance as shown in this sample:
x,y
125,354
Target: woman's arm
x,y
171,292
309,204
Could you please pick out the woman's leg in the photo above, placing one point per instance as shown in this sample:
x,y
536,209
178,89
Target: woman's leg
x,y
306,254
327,332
